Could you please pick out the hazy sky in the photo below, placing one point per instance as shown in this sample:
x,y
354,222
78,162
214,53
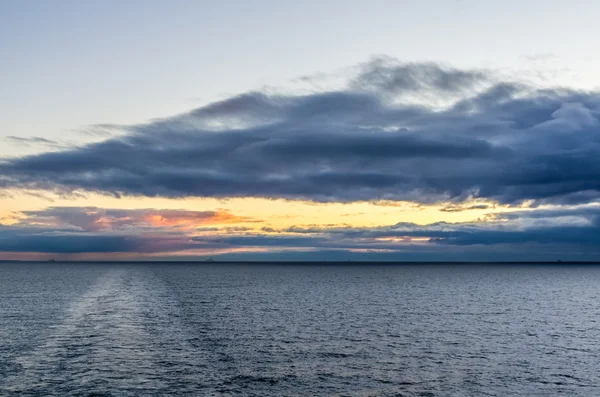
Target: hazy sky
x,y
68,64
73,72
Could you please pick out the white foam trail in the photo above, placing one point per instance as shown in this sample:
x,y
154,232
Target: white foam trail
x,y
122,336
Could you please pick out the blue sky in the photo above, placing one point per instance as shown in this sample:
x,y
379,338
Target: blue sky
x,y
69,64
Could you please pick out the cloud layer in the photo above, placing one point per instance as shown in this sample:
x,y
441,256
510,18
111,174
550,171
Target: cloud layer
x,y
91,219
425,133
419,132
542,233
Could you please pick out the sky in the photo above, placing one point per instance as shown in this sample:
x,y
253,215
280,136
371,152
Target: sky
x,y
275,130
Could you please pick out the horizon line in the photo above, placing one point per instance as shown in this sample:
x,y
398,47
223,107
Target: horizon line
x,y
299,262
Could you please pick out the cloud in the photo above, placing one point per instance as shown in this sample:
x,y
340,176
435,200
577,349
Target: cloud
x,y
34,141
578,227
97,219
384,136
78,230
390,76
18,239
572,232
460,208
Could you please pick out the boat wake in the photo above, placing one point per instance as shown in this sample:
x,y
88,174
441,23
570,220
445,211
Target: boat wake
x,y
123,337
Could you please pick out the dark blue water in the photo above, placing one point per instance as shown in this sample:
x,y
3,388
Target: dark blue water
x,y
267,330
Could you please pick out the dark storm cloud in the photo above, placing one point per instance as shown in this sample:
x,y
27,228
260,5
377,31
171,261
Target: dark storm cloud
x,y
372,140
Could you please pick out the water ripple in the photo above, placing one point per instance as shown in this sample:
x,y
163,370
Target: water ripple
x,y
183,330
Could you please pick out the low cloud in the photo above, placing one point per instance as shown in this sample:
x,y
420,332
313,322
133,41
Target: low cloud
x,y
97,219
574,231
460,208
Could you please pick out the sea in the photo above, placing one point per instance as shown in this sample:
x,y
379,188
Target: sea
x,y
278,329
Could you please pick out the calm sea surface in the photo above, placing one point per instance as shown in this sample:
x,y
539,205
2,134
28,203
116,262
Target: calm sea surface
x,y
299,330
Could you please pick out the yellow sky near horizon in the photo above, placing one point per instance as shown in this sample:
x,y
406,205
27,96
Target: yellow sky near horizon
x,y
274,213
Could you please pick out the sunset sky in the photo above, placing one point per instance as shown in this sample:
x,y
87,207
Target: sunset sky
x,y
382,130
